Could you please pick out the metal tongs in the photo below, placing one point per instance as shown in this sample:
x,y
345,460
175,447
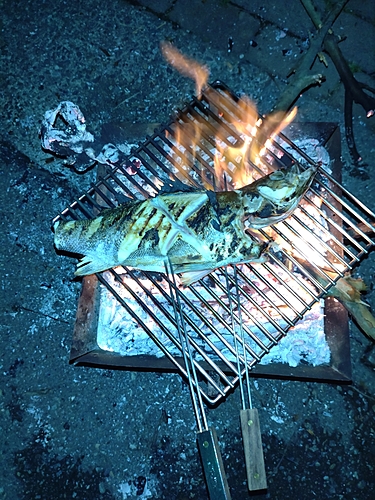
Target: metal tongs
x,y
250,428
208,444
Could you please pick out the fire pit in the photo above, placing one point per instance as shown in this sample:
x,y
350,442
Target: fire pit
x,y
219,330
327,235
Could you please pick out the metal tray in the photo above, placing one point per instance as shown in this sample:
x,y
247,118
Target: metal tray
x,y
85,350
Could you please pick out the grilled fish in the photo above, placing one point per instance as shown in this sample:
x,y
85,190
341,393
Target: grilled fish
x,y
196,231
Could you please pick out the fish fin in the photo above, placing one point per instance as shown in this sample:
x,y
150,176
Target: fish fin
x,y
191,277
88,265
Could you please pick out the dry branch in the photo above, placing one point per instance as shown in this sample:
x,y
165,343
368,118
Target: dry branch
x,y
349,292
302,78
354,90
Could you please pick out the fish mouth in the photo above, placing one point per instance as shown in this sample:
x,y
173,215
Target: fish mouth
x,y
288,187
56,239
274,197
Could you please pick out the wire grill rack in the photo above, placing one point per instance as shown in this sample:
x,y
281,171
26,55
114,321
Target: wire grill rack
x,y
328,234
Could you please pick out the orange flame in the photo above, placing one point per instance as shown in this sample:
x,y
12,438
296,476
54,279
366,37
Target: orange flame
x,y
186,66
232,163
246,128
270,126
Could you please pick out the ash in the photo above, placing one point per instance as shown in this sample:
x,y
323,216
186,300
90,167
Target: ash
x,y
305,342
118,331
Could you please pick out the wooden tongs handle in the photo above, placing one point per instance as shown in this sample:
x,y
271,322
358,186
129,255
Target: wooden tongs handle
x,y
252,442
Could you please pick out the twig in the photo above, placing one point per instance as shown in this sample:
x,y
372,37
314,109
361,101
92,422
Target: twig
x,y
343,69
349,134
299,78
364,394
294,90
354,90
348,291
331,16
43,314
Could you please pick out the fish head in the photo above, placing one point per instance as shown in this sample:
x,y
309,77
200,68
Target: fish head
x,y
283,187
275,196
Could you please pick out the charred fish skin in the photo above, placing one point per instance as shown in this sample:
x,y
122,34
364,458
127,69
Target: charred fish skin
x,y
275,196
197,231
219,222
97,239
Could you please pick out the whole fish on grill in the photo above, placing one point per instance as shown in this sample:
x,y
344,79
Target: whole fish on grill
x,y
197,231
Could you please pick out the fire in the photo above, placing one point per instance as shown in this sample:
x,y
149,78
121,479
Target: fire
x,y
257,134
232,164
237,158
186,66
272,125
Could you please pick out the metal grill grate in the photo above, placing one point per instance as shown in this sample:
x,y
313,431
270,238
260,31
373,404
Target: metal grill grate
x,y
329,233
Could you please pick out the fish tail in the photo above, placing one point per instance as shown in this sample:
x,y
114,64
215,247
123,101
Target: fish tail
x,y
75,237
90,265
68,236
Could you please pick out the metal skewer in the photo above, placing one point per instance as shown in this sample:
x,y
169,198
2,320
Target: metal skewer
x,y
208,444
250,428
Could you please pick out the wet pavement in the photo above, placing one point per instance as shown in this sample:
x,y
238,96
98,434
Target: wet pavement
x,y
85,433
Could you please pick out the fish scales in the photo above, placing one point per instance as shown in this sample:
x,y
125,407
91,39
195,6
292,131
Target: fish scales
x,y
143,235
197,231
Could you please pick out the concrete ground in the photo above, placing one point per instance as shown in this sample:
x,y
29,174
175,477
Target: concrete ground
x,y
87,433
